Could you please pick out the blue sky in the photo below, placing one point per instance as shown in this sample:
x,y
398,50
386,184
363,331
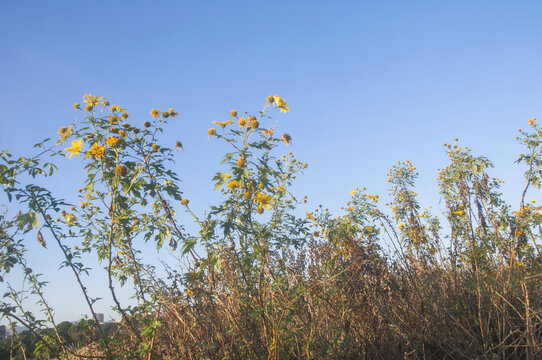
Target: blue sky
x,y
368,83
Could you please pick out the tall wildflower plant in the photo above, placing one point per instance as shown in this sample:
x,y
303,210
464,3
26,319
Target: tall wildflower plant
x,y
261,280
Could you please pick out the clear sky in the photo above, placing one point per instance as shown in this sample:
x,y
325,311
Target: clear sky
x,y
368,83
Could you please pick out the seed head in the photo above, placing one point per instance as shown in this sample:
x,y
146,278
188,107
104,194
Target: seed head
x,y
253,124
121,170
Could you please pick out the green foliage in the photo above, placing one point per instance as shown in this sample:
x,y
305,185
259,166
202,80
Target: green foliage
x,y
260,280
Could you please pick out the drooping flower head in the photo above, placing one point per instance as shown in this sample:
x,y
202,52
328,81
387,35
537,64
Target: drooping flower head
x,y
287,139
172,113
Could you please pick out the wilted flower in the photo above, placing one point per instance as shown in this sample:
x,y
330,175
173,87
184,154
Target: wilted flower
x,y
121,170
172,113
287,139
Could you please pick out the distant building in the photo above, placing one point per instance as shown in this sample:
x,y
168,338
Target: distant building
x,y
3,332
100,317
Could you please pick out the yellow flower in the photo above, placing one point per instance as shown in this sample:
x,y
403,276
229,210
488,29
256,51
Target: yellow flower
x,y
242,122
113,119
113,141
532,121
77,145
268,132
223,124
96,151
122,133
233,113
241,162
281,104
155,148
189,292
232,185
211,132
76,106
117,108
92,100
270,99
259,209
165,114
185,202
246,195
287,139
155,113
265,200
89,107
179,145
